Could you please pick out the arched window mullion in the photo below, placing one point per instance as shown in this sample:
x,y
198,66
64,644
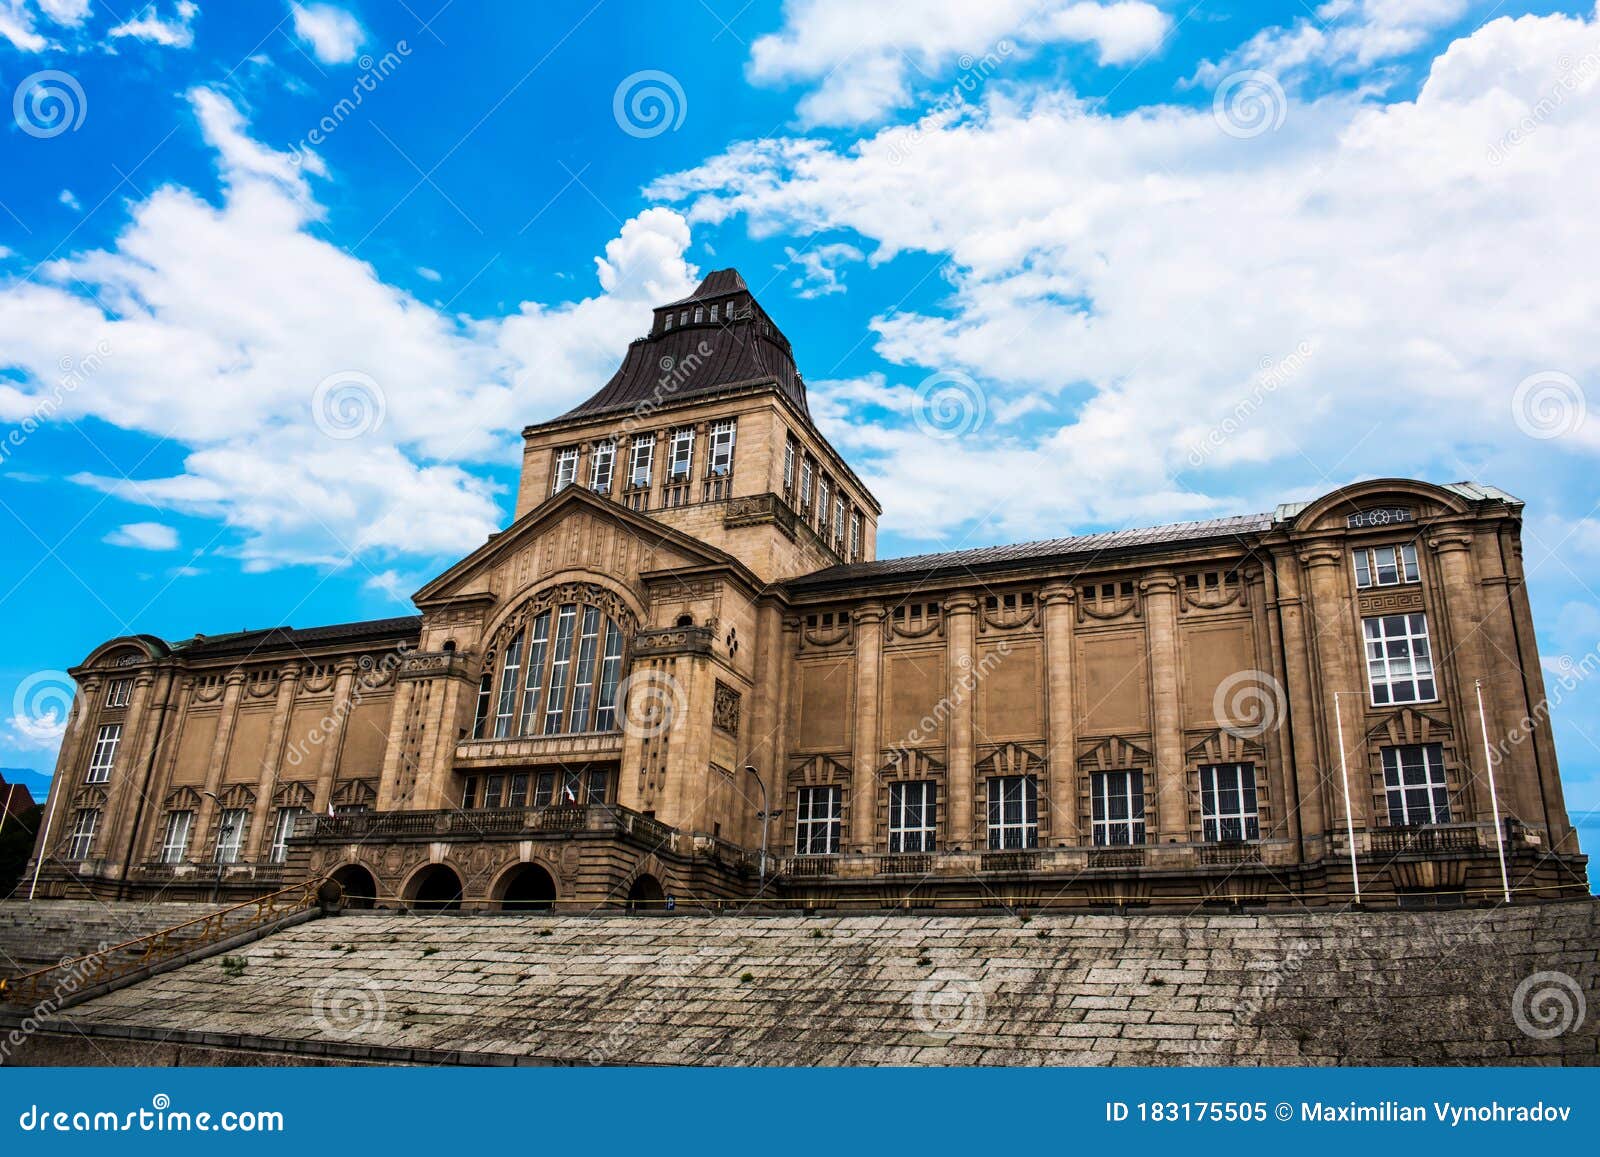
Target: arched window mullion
x,y
583,671
610,670
534,682
510,684
560,669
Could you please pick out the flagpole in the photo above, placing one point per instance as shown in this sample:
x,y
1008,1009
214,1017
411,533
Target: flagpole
x,y
1349,819
1494,797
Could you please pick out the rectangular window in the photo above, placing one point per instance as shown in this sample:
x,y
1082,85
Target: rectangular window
x,y
281,832
601,460
469,793
912,816
682,453
81,842
1013,812
605,716
855,537
571,788
806,477
556,700
599,784
788,468
1228,802
818,821
1399,661
1385,566
1413,778
544,789
699,314
1117,807
480,721
838,522
493,786
823,505
105,752
175,843
230,834
510,683
644,456
583,680
537,649
566,469
721,448
668,324
715,309
119,693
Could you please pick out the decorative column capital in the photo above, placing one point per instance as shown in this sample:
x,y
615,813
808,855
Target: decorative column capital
x,y
1450,542
961,603
1321,554
1053,593
870,613
1161,582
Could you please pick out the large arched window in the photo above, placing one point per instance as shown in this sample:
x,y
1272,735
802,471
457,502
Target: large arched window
x,y
555,667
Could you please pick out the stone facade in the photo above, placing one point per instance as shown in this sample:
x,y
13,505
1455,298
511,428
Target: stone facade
x,y
684,642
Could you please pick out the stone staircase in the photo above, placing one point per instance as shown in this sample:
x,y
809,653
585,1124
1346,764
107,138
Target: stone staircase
x,y
44,932
1451,987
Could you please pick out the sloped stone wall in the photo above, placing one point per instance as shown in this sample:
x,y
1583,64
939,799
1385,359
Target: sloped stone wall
x,y
1458,987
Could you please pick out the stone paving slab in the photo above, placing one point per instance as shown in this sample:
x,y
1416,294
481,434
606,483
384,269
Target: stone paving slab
x,y
1311,988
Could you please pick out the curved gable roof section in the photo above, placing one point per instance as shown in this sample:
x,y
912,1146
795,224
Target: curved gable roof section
x,y
1456,497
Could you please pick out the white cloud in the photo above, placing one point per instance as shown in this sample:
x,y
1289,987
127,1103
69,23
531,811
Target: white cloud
x,y
333,34
175,344
429,274
20,20
148,26
144,536
861,56
1369,284
819,267
1346,35
70,200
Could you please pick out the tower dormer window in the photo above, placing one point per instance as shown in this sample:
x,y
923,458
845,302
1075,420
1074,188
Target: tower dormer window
x,y
699,314
668,323
566,469
721,448
855,537
644,456
714,309
600,466
682,453
683,317
805,484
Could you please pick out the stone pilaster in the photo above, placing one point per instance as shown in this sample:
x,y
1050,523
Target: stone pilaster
x,y
1061,743
1337,637
1307,797
261,818
960,630
338,719
1160,590
202,840
866,747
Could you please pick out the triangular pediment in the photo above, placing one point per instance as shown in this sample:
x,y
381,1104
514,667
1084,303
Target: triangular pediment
x,y
1112,752
572,532
1409,725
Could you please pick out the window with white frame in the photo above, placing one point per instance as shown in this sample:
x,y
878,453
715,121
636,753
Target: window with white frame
x,y
668,322
788,467
682,454
818,821
1228,802
715,309
1399,661
721,448
104,754
175,841
81,842
1385,566
1413,779
855,537
601,461
911,816
566,469
119,693
510,679
644,456
230,834
281,832
824,504
806,475
838,522
1013,812
1117,807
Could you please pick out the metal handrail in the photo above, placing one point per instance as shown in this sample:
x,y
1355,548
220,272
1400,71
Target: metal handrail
x,y
152,948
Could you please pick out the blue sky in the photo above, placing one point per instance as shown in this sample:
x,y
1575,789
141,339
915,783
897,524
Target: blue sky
x,y
288,279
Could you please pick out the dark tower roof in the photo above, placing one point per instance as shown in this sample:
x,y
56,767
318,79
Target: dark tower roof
x,y
717,338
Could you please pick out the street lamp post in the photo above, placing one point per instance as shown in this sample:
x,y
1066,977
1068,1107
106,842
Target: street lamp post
x,y
764,815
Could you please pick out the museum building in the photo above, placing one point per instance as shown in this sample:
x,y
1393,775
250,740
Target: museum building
x,y
684,650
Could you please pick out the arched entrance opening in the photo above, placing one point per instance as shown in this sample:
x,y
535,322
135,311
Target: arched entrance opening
x,y
359,888
646,895
527,888
435,889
